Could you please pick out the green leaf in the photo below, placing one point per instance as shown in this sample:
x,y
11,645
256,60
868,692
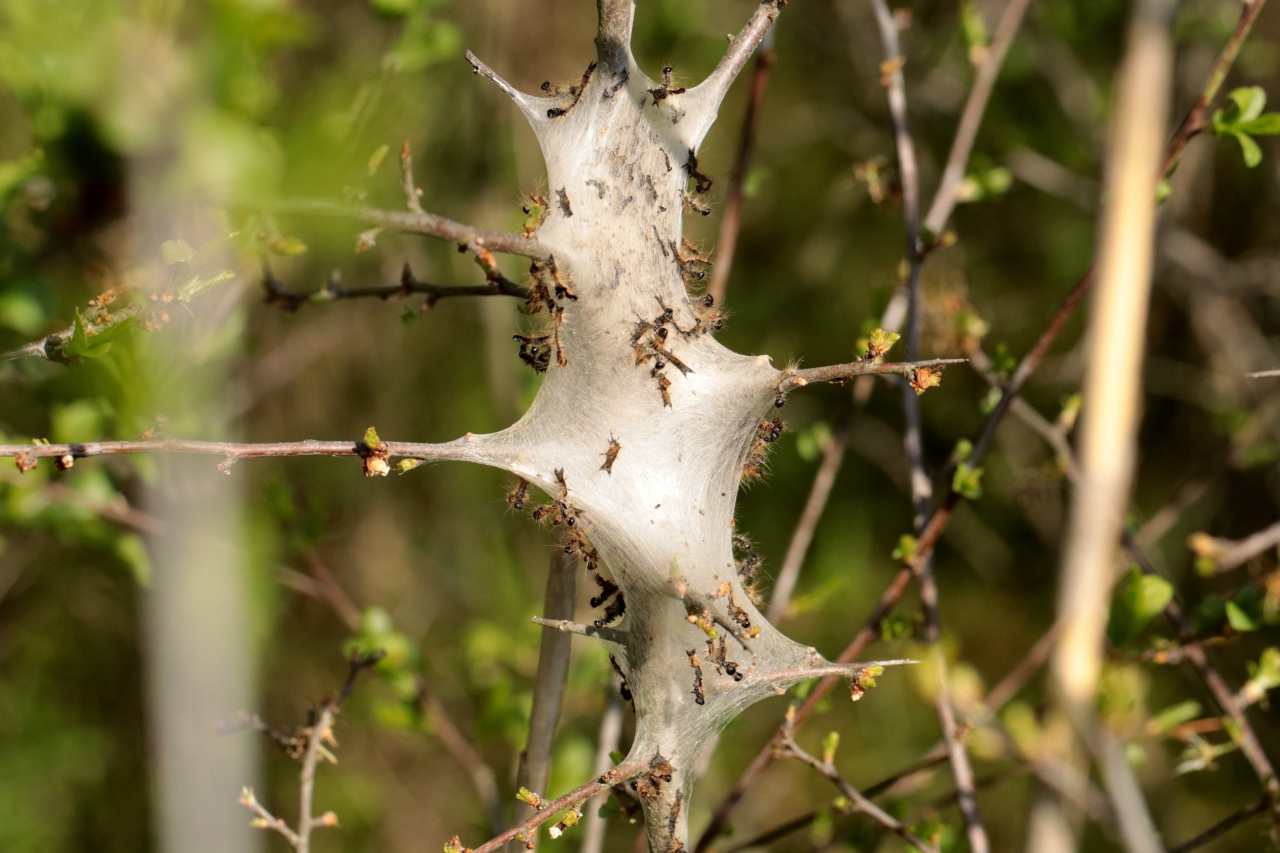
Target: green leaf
x,y
177,252
1244,610
84,345
1173,716
1139,600
202,284
906,548
371,437
1264,125
975,29
1249,102
288,246
967,482
375,160
1252,153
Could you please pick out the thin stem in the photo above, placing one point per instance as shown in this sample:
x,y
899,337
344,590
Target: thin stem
x,y
409,285
1194,122
463,448
412,194
612,635
552,674
731,222
823,480
944,200
267,819
842,372
711,91
859,801
320,731
1223,826
431,224
621,773
1227,554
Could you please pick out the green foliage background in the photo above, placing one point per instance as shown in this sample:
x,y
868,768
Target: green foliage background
x,y
114,111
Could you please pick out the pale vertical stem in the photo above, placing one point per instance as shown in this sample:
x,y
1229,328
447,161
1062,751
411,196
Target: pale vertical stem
x,y
308,777
1112,389
731,222
613,38
832,457
553,674
610,734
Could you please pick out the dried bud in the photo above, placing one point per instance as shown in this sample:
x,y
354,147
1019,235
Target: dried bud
x,y
924,378
454,845
328,819
25,462
246,797
366,240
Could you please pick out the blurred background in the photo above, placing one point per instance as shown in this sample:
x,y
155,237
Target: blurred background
x,y
144,601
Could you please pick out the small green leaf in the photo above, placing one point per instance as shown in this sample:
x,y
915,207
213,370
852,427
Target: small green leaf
x,y
84,345
288,246
975,29
1249,101
371,437
1173,716
1244,610
906,549
1139,600
177,252
830,744
1252,153
1264,125
375,159
1164,189
967,482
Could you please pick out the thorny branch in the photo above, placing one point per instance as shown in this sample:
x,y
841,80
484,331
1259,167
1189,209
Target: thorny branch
x,y
413,222
409,285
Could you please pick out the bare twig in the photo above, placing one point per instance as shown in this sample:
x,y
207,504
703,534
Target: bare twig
x,y
731,221
1262,374
265,819
320,731
462,448
1227,554
412,195
431,224
712,90
843,372
612,635
823,480
409,285
616,776
944,200
1223,826
856,797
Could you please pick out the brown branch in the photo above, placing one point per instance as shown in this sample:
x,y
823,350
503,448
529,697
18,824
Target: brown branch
x,y
611,635
431,224
944,199
731,222
856,797
412,195
1195,123
1223,826
409,285
265,819
823,480
1227,554
712,90
842,372
552,674
26,455
616,776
